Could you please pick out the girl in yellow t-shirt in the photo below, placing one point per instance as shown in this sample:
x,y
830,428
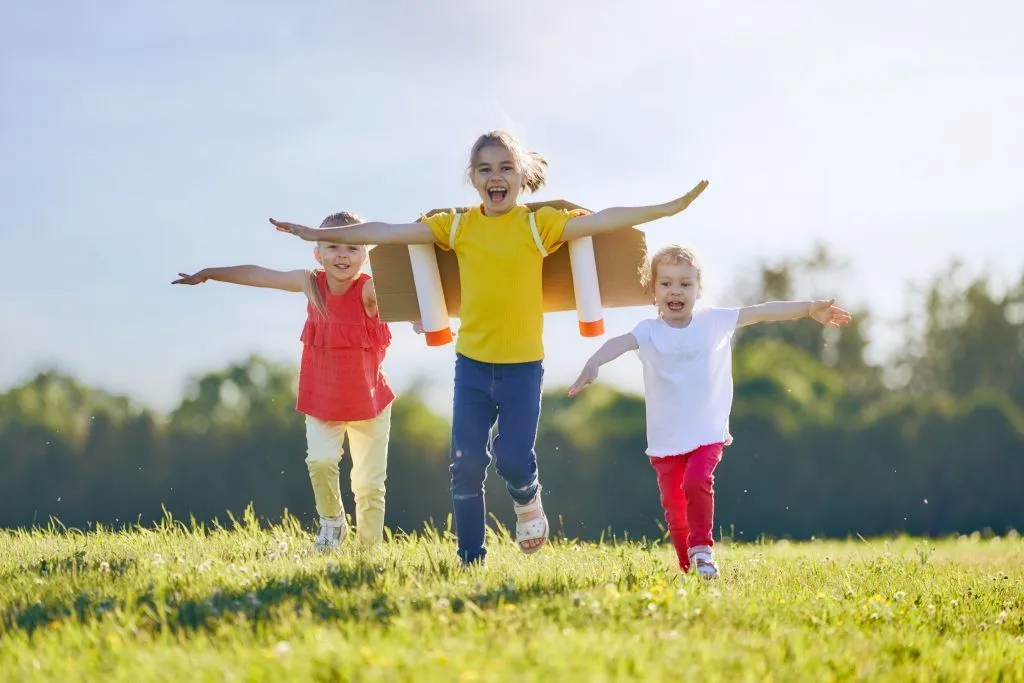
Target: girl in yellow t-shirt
x,y
498,369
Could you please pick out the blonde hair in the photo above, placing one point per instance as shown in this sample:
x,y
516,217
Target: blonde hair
x,y
532,165
673,254
309,286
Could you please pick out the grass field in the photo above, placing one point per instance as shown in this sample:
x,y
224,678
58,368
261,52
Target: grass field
x,y
179,603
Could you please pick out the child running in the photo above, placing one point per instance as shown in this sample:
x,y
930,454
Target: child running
x,y
686,354
500,246
342,388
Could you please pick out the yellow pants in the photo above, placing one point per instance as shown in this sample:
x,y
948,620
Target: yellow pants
x,y
368,446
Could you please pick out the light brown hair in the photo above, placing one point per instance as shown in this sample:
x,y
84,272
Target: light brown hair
x,y
309,287
673,254
532,165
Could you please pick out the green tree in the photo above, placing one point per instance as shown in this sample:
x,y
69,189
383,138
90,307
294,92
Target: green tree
x,y
813,276
59,402
253,392
967,338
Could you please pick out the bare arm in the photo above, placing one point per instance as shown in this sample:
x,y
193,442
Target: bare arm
x,y
824,311
253,276
624,217
609,351
370,299
362,233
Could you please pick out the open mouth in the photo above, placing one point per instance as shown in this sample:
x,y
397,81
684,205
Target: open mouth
x,y
497,194
675,306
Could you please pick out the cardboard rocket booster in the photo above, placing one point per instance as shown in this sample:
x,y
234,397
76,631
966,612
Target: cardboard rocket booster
x,y
429,294
421,281
586,286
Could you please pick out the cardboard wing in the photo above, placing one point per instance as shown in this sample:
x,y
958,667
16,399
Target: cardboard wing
x,y
619,257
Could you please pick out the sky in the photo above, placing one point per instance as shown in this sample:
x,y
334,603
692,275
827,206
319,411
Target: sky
x,y
143,139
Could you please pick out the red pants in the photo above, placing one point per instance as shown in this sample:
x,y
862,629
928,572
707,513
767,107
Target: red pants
x,y
687,490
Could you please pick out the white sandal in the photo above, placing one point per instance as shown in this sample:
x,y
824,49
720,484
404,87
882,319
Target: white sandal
x,y
531,529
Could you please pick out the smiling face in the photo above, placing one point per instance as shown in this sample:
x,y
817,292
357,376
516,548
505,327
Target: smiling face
x,y
341,262
676,288
497,178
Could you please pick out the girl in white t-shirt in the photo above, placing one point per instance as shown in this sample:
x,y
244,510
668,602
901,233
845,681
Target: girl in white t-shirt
x,y
686,354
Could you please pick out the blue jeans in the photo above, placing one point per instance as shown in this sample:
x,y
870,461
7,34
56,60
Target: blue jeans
x,y
508,394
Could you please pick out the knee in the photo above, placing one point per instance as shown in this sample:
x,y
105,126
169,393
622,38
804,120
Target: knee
x,y
519,473
321,461
675,516
698,484
370,493
467,473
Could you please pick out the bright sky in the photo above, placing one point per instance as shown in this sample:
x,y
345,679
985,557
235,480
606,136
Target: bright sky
x,y
143,139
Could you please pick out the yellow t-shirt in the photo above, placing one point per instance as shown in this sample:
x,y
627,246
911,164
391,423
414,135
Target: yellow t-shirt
x,y
500,270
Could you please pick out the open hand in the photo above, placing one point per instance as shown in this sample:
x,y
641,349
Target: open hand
x,y
187,279
828,314
677,205
586,377
300,231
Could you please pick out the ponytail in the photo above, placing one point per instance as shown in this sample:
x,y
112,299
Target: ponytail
x,y
535,171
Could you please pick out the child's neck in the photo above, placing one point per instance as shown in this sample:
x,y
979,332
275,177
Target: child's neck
x,y
337,287
678,323
491,213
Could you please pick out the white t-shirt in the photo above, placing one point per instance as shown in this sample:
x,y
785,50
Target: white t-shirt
x,y
687,380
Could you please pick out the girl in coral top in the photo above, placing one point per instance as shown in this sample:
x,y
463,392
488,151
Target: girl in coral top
x,y
500,246
342,388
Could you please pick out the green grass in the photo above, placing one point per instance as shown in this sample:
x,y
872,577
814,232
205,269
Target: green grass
x,y
182,603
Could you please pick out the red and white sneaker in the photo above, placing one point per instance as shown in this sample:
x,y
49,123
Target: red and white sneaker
x,y
703,561
333,531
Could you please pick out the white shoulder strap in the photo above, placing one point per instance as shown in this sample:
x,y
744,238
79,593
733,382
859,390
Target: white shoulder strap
x,y
536,236
455,226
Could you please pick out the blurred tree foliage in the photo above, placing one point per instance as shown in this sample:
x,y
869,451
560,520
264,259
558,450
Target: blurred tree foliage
x,y
825,442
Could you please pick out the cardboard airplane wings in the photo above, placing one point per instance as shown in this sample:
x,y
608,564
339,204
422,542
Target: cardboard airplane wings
x,y
420,282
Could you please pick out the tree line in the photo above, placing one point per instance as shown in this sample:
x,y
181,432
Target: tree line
x,y
826,443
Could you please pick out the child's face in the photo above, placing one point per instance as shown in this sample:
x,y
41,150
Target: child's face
x,y
497,178
676,290
341,262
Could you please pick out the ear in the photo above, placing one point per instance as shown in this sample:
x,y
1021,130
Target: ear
x,y
316,254
700,290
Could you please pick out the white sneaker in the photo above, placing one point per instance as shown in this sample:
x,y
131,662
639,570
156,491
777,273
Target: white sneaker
x,y
333,531
703,560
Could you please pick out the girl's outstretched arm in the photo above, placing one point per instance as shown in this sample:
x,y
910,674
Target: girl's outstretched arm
x,y
609,351
624,216
824,311
362,233
253,276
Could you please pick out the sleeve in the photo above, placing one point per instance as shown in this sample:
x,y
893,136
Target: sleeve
x,y
642,334
723,322
551,224
441,225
